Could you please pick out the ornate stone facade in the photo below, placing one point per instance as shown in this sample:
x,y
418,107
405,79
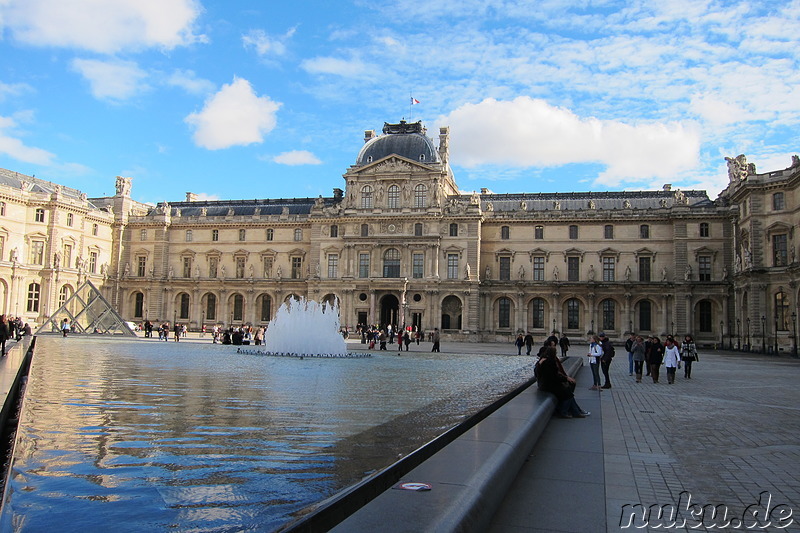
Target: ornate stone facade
x,y
401,244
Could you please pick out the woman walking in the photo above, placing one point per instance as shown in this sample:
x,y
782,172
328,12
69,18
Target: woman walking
x,y
637,351
595,353
672,360
688,355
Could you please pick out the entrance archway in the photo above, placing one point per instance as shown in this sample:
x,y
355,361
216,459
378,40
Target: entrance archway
x,y
390,311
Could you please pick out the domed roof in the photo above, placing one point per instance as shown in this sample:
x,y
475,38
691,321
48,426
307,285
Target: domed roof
x,y
405,140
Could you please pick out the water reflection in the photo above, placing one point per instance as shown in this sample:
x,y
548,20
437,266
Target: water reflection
x,y
156,436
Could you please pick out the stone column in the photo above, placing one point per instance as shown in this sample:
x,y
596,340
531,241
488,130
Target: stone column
x,y
520,315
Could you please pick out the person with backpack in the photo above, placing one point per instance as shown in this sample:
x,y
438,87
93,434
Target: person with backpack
x,y
629,349
605,360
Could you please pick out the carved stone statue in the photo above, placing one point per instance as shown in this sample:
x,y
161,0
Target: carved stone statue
x,y
725,273
15,255
795,161
56,260
251,271
664,274
488,274
466,271
592,205
555,273
557,205
748,258
628,273
222,271
171,272
591,273
687,274
123,186
196,271
278,274
739,168
317,272
522,272
737,264
489,206
126,272
626,204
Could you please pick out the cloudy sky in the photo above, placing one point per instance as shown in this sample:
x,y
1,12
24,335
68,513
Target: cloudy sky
x,y
265,99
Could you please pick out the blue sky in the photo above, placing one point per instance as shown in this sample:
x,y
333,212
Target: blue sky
x,y
265,99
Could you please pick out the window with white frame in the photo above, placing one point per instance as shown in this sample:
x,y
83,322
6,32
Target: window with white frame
x,y
333,265
452,266
298,234
34,291
93,262
393,197
609,268
39,215
70,219
143,235
366,197
417,265
420,195
141,265
363,265
538,268
704,268
37,253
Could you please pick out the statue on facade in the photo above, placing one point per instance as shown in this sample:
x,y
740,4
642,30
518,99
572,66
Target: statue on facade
x,y
748,258
626,204
251,271
521,272
591,273
663,273
466,271
222,271
739,168
317,272
278,272
628,273
126,272
725,273
592,205
171,272
56,260
795,161
555,273
737,264
196,271
15,255
123,186
488,274
687,274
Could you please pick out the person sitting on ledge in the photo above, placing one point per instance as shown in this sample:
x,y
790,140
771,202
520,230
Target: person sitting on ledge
x,y
552,379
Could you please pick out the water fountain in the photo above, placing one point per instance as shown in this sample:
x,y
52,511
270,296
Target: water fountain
x,y
305,328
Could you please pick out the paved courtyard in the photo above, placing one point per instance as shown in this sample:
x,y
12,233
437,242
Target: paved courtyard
x,y
729,437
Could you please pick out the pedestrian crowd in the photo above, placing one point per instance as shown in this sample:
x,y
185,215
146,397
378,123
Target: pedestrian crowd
x,y
12,328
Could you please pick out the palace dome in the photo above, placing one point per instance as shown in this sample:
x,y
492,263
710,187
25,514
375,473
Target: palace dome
x,y
403,139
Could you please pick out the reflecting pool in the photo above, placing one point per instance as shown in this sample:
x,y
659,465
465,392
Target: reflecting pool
x,y
155,436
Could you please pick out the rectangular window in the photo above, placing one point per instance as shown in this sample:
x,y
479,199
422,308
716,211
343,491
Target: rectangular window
x,y
608,314
645,269
779,250
214,235
242,235
573,268
644,231
268,267
537,312
417,265
297,267
34,290
505,268
454,230
213,264
538,269
270,234
505,233
704,270
143,235
187,267
69,219
452,266
778,201
189,235
418,230
95,229
609,267
240,261
333,265
363,265
573,232
141,266
608,231
704,229
298,234
538,233
39,215
37,252
93,262
334,230
365,230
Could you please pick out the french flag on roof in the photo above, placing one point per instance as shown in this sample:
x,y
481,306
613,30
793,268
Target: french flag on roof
x,y
414,101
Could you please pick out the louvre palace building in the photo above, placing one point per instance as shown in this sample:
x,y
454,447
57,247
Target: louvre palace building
x,y
400,244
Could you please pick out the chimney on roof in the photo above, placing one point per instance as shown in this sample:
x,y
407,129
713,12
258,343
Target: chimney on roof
x,y
191,197
369,134
667,187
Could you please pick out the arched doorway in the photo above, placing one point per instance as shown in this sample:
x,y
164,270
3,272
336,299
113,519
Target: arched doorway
x,y
451,313
390,311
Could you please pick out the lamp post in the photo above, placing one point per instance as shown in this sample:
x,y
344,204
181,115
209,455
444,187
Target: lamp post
x,y
776,332
203,324
747,337
738,333
763,334
722,334
794,333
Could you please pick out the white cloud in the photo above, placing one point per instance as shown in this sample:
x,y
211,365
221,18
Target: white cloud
x,y
204,196
105,26
12,89
13,147
189,82
332,65
264,44
234,116
715,111
527,132
297,157
112,80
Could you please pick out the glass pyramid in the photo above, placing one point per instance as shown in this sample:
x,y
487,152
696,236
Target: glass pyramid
x,y
87,312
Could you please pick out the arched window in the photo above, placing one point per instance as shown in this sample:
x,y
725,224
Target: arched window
x,y
366,197
504,313
705,317
238,307
573,313
609,309
63,294
34,290
391,263
420,195
211,307
184,308
138,305
782,310
645,315
266,308
393,197
537,313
